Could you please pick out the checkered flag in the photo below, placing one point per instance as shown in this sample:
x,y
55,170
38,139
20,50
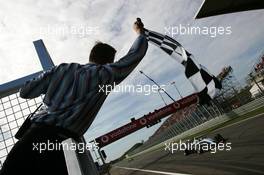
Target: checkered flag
x,y
204,83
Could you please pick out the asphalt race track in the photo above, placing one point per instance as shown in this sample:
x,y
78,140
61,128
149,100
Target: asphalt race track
x,y
245,157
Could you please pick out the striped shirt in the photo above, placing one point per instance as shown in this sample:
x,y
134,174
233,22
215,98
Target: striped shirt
x,y
72,91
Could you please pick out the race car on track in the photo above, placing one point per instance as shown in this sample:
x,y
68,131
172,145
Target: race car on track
x,y
202,145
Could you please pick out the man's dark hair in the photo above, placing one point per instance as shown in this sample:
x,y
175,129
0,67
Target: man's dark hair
x,y
102,53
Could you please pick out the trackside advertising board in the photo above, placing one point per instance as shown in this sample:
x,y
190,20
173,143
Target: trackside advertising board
x,y
146,120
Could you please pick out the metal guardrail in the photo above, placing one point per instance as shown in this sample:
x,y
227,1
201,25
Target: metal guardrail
x,y
250,106
220,117
196,118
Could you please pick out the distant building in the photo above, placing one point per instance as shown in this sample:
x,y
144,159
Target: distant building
x,y
255,89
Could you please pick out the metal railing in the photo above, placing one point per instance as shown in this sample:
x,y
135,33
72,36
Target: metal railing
x,y
196,118
13,111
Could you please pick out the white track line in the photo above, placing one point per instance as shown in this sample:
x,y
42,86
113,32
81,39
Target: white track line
x,y
151,171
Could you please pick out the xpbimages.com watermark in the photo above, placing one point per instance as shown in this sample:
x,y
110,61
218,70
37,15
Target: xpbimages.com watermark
x,y
197,146
145,89
58,146
63,30
212,31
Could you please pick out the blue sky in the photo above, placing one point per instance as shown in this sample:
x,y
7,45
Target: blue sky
x,y
22,22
